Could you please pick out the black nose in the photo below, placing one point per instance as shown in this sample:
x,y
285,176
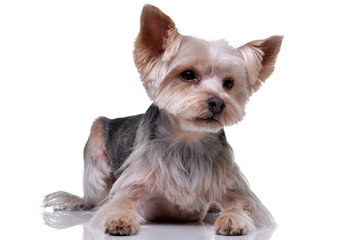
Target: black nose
x,y
216,105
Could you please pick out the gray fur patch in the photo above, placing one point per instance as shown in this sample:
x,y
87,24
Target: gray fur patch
x,y
120,134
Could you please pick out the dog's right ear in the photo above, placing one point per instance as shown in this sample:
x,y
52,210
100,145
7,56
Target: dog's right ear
x,y
155,29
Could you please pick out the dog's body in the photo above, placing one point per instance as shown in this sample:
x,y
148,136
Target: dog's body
x,y
172,162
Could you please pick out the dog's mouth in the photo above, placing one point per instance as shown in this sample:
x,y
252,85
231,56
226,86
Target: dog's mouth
x,y
209,120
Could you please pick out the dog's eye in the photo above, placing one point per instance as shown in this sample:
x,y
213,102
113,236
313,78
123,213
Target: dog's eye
x,y
228,83
188,75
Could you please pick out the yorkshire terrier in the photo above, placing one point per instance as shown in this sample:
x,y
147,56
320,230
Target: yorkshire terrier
x,y
173,162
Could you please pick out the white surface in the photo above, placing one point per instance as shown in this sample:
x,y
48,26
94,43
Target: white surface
x,y
173,231
63,63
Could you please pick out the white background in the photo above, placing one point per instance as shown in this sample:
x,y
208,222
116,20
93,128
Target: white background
x,y
63,63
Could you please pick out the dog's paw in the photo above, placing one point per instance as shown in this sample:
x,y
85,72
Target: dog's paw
x,y
215,207
121,226
229,224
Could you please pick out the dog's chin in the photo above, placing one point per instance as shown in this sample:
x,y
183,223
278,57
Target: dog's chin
x,y
201,125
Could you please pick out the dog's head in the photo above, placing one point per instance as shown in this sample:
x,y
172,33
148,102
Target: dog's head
x,y
204,85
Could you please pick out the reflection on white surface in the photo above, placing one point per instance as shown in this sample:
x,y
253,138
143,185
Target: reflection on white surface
x,y
194,231
199,230
66,219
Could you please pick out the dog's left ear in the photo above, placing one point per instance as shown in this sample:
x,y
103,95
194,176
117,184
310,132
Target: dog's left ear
x,y
260,57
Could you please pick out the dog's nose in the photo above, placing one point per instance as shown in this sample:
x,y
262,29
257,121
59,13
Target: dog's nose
x,y
216,105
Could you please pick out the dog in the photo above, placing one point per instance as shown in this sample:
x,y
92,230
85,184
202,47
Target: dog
x,y
173,162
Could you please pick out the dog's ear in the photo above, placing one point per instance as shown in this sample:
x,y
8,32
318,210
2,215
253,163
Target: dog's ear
x,y
155,29
260,57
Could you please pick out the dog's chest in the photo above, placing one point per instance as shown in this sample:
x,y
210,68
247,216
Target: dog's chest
x,y
187,175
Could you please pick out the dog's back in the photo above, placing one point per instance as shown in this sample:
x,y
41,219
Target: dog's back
x,y
119,136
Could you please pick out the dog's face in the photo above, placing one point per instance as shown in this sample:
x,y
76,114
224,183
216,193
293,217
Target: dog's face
x,y
205,85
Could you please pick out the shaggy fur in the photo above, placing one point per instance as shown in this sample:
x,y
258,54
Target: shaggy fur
x,y
173,162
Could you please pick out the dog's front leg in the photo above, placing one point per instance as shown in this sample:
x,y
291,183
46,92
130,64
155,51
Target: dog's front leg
x,y
122,219
236,218
118,217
